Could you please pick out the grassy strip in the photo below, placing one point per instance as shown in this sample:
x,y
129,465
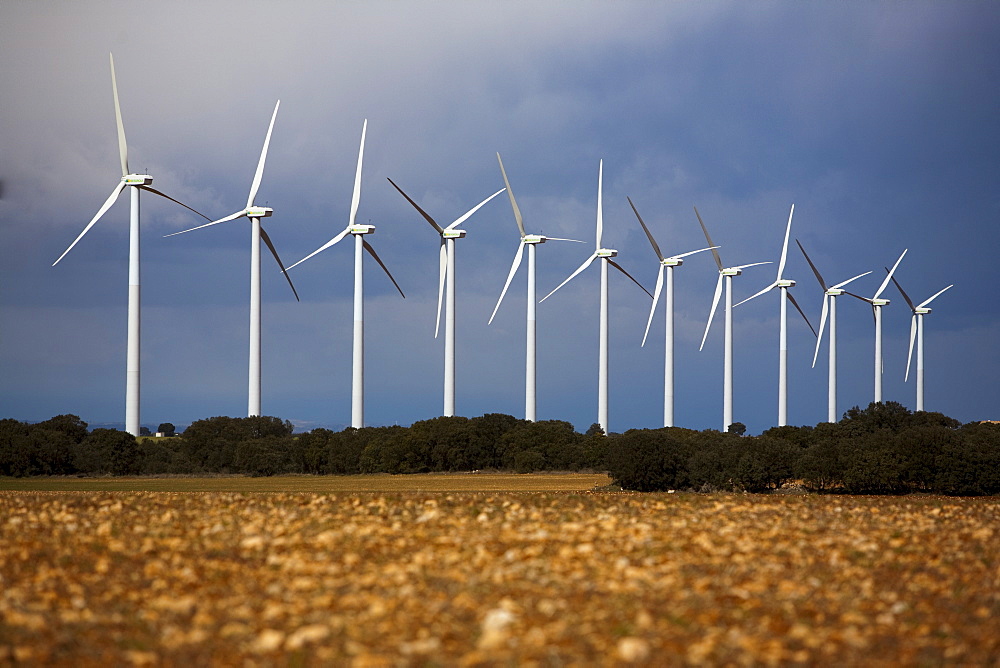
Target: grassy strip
x,y
432,482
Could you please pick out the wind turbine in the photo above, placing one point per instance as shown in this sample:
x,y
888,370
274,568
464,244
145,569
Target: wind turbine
x,y
605,254
917,331
255,213
877,305
359,232
529,240
830,293
668,264
446,275
785,296
136,182
728,273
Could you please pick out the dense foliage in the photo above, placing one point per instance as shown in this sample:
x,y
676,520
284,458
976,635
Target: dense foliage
x,y
882,449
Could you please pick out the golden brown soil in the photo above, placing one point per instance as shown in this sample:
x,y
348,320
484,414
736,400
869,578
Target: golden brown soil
x,y
496,578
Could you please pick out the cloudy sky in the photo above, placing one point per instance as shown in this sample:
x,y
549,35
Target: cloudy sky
x,y
879,121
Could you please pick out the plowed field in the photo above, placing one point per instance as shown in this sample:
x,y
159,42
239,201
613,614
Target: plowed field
x,y
507,578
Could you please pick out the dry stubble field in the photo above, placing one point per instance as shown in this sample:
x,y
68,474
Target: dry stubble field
x,y
371,578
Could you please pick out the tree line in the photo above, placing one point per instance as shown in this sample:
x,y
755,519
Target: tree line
x,y
882,449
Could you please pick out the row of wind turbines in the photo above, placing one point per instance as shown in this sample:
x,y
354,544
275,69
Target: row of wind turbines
x,y
446,295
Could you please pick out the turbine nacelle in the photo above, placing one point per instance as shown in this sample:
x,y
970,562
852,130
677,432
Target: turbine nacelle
x,y
361,229
606,252
258,212
533,239
452,234
731,271
671,262
921,310
784,283
879,302
137,179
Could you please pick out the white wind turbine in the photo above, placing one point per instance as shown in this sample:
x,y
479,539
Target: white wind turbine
x,y
529,240
830,294
877,305
785,296
136,182
446,276
728,273
359,232
605,254
917,332
255,213
668,264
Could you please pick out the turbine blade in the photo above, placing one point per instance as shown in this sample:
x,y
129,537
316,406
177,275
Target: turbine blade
x,y
263,156
864,299
157,192
711,314
704,229
600,202
471,211
442,273
752,264
822,326
371,251
652,241
322,248
798,308
510,277
100,212
840,285
619,268
122,146
700,250
889,276
933,297
513,203
784,246
232,216
267,240
558,239
423,213
755,295
586,263
822,283
656,298
909,353
909,302
356,198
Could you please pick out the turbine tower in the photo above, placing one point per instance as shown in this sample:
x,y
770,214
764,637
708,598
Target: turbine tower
x,y
605,254
877,305
726,273
136,182
255,213
446,276
830,294
529,240
359,232
668,264
785,296
917,331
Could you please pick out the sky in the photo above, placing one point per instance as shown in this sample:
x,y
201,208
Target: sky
x,y
879,121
